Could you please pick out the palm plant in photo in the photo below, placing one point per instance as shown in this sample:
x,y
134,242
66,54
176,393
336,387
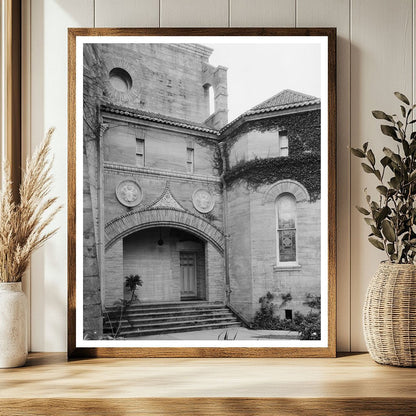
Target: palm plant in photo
x,y
392,215
132,283
24,223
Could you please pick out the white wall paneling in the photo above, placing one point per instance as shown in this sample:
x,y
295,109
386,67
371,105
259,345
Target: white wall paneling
x,y
193,13
375,58
262,13
48,71
127,13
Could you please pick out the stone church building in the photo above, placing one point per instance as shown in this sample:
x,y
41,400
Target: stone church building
x,y
201,208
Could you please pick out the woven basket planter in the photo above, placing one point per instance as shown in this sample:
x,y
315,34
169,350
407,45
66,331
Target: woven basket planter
x,y
390,315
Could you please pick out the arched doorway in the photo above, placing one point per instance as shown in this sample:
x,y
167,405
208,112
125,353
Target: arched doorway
x,y
180,226
170,261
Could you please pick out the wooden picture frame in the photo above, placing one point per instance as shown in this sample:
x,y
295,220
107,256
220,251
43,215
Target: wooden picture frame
x,y
200,215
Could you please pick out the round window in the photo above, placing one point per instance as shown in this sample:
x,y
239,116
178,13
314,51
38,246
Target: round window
x,y
120,79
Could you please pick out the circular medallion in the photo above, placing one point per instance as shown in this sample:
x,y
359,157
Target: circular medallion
x,y
203,200
129,193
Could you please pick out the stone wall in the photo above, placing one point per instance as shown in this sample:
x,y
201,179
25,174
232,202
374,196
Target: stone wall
x,y
167,79
93,93
251,217
215,272
239,250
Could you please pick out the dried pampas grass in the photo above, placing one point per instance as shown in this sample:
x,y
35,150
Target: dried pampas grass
x,y
24,225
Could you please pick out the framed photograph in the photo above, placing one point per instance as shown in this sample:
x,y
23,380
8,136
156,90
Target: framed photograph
x,y
201,193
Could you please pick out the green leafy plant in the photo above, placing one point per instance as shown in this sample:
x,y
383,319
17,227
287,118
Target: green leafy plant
x,y
313,301
308,326
285,299
264,318
132,283
114,316
392,216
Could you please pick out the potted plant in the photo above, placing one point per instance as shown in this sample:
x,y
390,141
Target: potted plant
x,y
23,228
390,307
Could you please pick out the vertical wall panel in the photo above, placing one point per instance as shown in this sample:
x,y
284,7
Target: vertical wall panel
x,y
193,13
26,142
381,63
49,22
262,13
335,13
127,13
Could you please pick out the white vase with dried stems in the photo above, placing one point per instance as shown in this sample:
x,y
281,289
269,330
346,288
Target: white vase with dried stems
x,y
24,227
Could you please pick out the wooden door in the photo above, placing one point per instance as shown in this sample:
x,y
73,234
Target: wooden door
x,y
188,274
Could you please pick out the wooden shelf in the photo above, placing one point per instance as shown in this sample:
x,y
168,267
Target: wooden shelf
x,y
348,385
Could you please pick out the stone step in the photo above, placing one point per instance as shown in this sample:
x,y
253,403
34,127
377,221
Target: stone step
x,y
148,319
135,333
168,308
178,313
174,324
171,317
176,303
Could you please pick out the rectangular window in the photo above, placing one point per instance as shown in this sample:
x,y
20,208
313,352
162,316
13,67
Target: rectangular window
x,y
140,152
283,143
288,314
189,160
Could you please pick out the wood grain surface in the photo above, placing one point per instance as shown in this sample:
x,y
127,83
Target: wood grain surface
x,y
347,385
329,351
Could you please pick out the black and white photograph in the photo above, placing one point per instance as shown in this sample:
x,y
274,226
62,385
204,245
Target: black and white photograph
x,y
202,191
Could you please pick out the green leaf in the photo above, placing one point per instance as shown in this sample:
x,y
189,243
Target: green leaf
x,y
394,182
365,145
362,210
367,168
357,152
393,156
370,157
389,131
382,214
376,231
412,176
390,248
402,97
388,230
378,174
381,115
406,147
374,205
382,189
376,243
386,160
403,111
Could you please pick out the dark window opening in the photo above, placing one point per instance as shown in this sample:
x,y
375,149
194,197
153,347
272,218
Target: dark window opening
x,y
288,314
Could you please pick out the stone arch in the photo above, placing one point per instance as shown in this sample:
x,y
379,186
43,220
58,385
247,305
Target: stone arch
x,y
286,185
162,217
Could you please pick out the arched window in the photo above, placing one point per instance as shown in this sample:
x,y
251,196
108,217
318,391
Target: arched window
x,y
286,229
209,97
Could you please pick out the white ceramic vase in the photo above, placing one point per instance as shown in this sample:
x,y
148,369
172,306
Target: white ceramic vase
x,y
13,325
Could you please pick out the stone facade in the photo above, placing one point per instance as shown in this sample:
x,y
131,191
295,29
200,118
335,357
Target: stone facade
x,y
176,194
